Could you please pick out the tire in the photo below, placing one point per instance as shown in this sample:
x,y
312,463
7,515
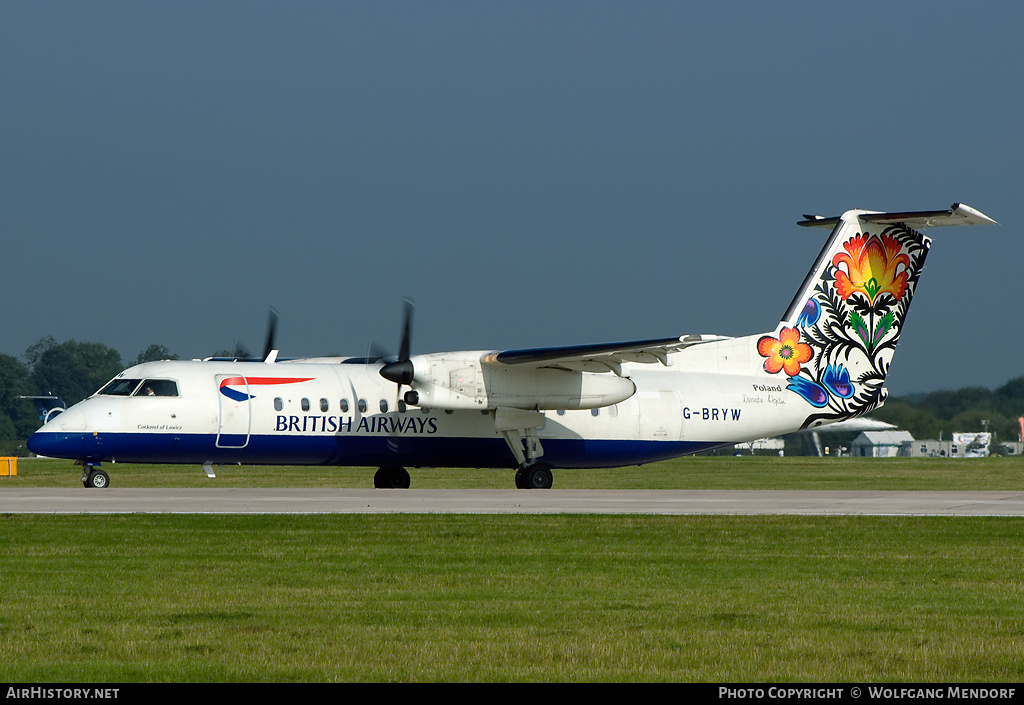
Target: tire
x,y
538,477
97,478
391,478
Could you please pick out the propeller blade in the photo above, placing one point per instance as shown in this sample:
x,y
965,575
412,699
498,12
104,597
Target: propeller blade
x,y
404,350
401,371
375,352
271,331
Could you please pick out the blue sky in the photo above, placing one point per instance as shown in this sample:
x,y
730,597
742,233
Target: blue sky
x,y
530,173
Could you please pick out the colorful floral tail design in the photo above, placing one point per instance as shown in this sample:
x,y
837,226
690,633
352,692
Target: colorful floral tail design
x,y
836,341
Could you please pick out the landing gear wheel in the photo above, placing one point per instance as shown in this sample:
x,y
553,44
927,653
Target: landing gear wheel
x,y
534,477
97,478
391,479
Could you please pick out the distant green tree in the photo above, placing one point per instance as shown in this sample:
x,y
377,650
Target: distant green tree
x,y
948,403
7,430
36,350
971,420
72,370
17,416
154,353
1009,398
920,422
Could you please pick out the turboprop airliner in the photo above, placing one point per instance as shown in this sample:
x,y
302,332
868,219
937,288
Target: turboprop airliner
x,y
532,411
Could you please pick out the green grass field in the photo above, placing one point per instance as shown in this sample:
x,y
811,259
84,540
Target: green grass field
x,y
519,598
705,472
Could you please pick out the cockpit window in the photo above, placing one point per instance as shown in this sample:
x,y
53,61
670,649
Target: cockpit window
x,y
120,387
157,388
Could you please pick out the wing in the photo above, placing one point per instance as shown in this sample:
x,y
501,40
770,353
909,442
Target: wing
x,y
600,357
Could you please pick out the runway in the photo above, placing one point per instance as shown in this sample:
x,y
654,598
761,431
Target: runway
x,y
369,501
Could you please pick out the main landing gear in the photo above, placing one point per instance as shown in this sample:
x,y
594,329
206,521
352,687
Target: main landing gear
x,y
519,428
536,476
391,478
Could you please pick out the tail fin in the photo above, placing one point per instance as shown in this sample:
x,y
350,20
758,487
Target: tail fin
x,y
837,339
47,406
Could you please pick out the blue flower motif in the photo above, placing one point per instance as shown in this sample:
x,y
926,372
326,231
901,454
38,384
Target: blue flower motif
x,y
810,314
812,392
837,381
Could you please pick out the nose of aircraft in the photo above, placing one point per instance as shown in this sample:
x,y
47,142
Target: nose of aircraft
x,y
41,443
56,438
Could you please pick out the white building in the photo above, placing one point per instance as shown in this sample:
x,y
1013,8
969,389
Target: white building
x,y
882,444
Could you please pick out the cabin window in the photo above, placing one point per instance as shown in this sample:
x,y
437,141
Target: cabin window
x,y
120,388
361,405
344,406
278,404
401,406
157,388
323,405
305,404
383,406
595,412
560,412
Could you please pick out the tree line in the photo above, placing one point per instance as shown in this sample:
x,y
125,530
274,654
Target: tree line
x,y
934,415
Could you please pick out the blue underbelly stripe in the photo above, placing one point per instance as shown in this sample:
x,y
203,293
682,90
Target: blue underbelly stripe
x,y
350,450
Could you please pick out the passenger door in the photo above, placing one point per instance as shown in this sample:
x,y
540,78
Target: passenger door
x,y
235,411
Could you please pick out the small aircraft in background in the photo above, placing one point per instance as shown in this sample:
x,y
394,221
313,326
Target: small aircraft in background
x,y
531,411
46,405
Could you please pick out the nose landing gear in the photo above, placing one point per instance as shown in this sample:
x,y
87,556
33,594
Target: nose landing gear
x,y
92,476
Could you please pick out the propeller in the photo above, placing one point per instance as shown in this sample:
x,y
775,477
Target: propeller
x,y
401,371
269,348
375,353
239,351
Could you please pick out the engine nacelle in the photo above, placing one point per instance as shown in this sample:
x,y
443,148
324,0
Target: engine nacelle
x,y
464,382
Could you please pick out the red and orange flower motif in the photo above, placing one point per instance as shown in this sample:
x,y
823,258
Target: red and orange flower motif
x,y
785,352
874,265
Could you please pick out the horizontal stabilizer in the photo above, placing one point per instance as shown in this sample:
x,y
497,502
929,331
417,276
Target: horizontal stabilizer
x,y
957,214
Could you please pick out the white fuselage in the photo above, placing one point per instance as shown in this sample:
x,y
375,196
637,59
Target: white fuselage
x,y
330,412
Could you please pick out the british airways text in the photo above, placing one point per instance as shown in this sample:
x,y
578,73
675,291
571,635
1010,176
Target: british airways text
x,y
348,424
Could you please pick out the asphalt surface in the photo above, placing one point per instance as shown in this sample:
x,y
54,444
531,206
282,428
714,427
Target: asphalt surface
x,y
369,501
